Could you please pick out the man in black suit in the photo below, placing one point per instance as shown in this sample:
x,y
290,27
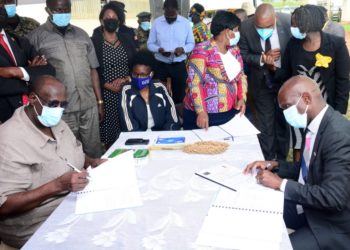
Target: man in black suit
x,y
19,64
263,39
316,190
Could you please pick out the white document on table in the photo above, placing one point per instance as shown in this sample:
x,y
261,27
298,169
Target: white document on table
x,y
247,219
237,126
229,176
212,134
112,185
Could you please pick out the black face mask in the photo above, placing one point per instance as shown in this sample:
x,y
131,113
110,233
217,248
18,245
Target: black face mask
x,y
3,18
110,25
170,20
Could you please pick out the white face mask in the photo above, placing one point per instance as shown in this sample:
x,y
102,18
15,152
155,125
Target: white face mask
x,y
49,117
235,40
294,118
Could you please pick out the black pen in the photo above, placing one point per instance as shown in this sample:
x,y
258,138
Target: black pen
x,y
216,182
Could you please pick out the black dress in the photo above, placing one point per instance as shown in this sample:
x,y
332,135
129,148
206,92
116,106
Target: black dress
x,y
306,67
115,65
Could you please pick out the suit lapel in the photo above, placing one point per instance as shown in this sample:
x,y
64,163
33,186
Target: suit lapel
x,y
282,36
256,39
321,129
15,48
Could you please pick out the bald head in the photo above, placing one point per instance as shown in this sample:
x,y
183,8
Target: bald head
x,y
47,86
304,88
298,85
265,16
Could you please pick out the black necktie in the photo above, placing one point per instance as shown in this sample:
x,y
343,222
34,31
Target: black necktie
x,y
267,45
267,73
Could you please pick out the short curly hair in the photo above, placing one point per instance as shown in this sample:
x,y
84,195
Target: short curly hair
x,y
144,57
117,8
223,20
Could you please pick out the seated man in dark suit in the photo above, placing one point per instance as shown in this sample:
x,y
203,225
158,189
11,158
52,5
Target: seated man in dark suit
x,y
19,64
316,190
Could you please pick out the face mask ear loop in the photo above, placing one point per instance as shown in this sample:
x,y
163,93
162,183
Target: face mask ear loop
x,y
39,100
298,100
307,107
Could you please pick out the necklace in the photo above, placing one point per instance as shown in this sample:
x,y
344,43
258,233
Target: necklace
x,y
111,42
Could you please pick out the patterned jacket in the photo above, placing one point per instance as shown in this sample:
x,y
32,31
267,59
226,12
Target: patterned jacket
x,y
201,32
24,27
209,88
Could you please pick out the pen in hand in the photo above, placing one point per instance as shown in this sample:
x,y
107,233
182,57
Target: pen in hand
x,y
77,170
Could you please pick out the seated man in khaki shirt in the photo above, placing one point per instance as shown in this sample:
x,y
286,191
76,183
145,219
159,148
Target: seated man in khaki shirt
x,y
36,146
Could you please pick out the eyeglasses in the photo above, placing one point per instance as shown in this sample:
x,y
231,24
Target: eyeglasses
x,y
52,104
139,76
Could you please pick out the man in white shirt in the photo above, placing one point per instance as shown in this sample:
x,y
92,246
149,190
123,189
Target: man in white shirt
x,y
316,190
171,38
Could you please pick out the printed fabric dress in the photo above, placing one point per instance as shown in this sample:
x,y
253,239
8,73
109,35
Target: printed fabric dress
x,y
115,64
306,67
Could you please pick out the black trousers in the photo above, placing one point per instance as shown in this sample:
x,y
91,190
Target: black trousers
x,y
178,74
274,136
302,238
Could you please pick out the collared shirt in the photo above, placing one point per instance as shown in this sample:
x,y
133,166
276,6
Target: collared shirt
x,y
169,37
26,76
275,44
28,160
313,128
73,55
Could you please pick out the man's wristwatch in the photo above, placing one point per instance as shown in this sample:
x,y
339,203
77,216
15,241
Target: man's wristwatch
x,y
99,102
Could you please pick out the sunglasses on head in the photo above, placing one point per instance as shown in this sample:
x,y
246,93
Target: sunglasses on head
x,y
52,104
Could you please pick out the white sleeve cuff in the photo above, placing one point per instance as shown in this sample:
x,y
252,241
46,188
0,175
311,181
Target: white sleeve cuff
x,y
261,61
26,77
283,185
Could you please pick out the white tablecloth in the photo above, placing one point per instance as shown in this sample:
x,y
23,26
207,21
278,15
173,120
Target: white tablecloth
x,y
175,202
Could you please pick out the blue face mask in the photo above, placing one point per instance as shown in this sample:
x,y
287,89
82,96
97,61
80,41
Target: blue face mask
x,y
146,26
61,19
10,9
235,40
265,33
49,117
141,83
296,33
294,118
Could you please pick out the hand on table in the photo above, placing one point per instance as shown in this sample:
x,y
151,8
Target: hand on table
x,y
96,162
260,165
268,179
241,107
203,120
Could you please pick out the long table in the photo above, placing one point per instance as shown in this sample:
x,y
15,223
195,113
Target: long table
x,y
175,203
